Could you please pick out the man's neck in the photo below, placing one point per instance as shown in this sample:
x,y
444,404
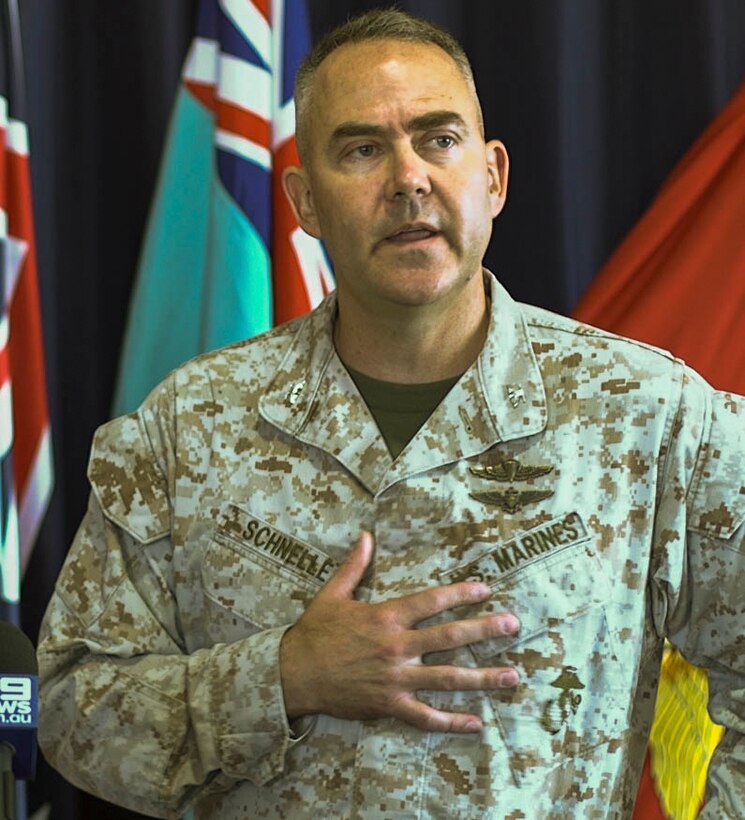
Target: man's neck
x,y
412,345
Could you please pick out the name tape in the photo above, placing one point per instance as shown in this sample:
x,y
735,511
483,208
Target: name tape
x,y
279,548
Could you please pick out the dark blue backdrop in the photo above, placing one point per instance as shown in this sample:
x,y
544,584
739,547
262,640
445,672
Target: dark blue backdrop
x,y
596,101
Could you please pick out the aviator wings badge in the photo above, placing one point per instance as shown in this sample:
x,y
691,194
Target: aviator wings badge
x,y
510,470
512,500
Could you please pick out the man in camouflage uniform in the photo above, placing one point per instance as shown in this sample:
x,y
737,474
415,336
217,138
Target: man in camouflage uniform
x,y
222,637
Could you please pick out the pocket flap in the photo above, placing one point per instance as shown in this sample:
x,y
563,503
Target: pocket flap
x,y
253,570
127,481
717,498
545,576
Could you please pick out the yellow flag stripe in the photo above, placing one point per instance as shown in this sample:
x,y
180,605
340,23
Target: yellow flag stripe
x,y
683,738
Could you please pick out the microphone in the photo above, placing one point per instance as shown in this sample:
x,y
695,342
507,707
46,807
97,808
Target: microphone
x,y
19,713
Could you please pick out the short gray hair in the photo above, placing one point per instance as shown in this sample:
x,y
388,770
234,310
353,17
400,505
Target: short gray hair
x,y
379,24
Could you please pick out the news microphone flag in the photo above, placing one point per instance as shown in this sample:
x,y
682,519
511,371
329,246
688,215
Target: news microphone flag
x,y
223,257
678,281
25,447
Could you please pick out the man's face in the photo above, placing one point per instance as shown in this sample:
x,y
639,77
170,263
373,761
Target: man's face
x,y
399,183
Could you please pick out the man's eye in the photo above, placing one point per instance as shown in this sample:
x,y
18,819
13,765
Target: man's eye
x,y
363,150
444,141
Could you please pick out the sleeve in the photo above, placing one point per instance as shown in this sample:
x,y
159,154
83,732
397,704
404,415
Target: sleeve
x,y
698,587
127,712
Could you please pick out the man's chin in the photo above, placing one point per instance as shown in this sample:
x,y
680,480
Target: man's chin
x,y
422,254
417,287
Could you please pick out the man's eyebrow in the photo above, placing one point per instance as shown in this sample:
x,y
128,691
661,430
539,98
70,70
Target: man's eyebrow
x,y
357,129
436,119
423,122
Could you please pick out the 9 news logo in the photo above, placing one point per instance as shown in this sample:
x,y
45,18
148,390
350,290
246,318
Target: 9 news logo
x,y
18,700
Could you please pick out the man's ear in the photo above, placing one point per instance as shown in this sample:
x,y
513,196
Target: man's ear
x,y
297,188
498,166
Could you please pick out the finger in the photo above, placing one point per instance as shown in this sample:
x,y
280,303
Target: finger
x,y
413,711
346,579
422,605
461,678
453,634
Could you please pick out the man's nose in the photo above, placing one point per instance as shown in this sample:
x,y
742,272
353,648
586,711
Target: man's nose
x,y
408,174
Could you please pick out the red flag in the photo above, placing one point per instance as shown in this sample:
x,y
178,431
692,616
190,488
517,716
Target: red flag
x,y
678,281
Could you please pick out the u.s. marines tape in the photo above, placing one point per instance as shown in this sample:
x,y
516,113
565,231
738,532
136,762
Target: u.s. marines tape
x,y
521,552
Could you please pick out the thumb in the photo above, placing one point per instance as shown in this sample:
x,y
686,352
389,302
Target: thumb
x,y
346,579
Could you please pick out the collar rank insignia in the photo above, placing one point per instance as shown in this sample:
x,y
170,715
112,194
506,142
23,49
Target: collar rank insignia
x,y
516,395
511,500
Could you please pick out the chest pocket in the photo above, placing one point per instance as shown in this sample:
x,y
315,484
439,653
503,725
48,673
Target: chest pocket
x,y
717,497
568,702
255,577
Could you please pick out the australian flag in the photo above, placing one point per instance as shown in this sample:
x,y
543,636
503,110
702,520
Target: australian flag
x,y
25,449
223,257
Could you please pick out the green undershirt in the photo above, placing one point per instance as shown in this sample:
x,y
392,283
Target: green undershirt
x,y
400,410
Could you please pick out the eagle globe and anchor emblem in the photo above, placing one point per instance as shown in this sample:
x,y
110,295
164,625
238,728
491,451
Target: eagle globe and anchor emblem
x,y
557,711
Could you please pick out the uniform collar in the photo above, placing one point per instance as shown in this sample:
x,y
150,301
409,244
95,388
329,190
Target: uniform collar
x,y
499,398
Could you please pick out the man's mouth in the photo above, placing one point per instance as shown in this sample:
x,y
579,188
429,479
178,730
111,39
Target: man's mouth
x,y
413,233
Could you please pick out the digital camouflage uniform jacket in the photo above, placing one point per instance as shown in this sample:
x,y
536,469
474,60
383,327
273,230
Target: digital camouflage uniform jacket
x,y
594,482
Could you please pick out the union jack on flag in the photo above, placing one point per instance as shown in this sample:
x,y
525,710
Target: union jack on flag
x,y
223,257
25,449
248,81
